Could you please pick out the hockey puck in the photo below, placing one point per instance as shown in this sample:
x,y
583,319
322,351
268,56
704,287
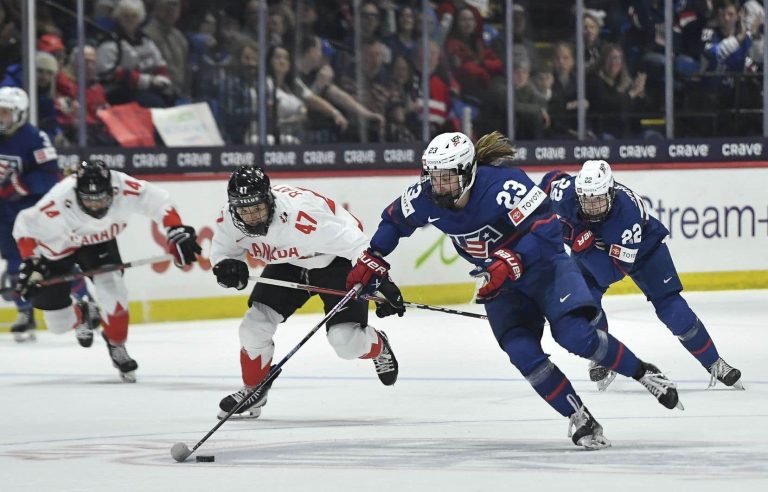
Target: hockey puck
x,y
205,459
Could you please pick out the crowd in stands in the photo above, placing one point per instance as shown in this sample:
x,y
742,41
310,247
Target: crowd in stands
x,y
162,53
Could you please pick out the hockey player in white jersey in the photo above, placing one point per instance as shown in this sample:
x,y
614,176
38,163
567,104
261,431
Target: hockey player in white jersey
x,y
77,223
303,237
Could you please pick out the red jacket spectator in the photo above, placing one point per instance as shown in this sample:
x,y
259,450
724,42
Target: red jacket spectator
x,y
473,64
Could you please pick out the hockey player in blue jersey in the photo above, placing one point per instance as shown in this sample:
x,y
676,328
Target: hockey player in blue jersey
x,y
612,235
28,169
501,222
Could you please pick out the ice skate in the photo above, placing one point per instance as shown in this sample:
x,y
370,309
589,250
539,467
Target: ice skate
x,y
89,323
660,386
583,429
122,361
601,375
386,363
251,408
23,328
726,374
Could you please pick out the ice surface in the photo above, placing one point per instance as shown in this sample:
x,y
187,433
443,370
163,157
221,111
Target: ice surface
x,y
460,418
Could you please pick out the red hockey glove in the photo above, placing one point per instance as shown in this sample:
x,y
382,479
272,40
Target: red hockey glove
x,y
368,271
505,264
583,241
182,244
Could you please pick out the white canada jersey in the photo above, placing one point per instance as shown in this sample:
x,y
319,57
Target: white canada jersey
x,y
56,226
307,230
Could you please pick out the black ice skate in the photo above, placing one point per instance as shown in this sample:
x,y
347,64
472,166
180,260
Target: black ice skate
x,y
251,407
660,386
23,328
122,361
386,363
583,429
601,375
89,323
723,372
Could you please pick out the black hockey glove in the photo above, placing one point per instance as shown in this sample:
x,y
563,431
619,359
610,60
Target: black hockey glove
x,y
231,273
182,244
391,293
31,272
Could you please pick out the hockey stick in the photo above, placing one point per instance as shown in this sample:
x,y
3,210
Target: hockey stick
x,y
334,292
95,271
181,451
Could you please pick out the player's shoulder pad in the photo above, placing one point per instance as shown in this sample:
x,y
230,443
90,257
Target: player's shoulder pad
x,y
630,204
551,177
409,200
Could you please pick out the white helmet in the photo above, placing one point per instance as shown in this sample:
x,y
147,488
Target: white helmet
x,y
450,152
17,101
595,188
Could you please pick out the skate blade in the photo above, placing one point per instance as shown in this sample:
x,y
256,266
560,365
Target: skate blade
x,y
679,405
738,385
24,337
252,413
594,443
128,377
603,384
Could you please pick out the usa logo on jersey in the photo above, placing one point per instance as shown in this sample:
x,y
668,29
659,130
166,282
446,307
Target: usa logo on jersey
x,y
479,243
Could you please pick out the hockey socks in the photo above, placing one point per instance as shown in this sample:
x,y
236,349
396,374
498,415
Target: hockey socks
x,y
698,342
552,385
614,355
675,313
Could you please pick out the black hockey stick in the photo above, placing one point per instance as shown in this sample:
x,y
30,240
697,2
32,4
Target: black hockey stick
x,y
181,451
102,269
334,292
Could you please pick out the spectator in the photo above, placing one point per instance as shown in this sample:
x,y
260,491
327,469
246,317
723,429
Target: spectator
x,y
403,41
172,44
593,45
293,98
318,75
615,99
397,129
47,70
531,116
727,44
67,105
564,102
474,65
102,14
281,25
235,97
377,86
542,79
447,12
202,40
522,36
10,40
441,88
134,71
52,44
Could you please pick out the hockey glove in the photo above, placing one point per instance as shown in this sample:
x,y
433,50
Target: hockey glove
x,y
391,293
583,241
231,273
182,244
31,272
504,264
368,271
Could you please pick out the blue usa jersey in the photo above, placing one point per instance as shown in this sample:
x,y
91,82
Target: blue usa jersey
x,y
613,247
28,169
505,210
